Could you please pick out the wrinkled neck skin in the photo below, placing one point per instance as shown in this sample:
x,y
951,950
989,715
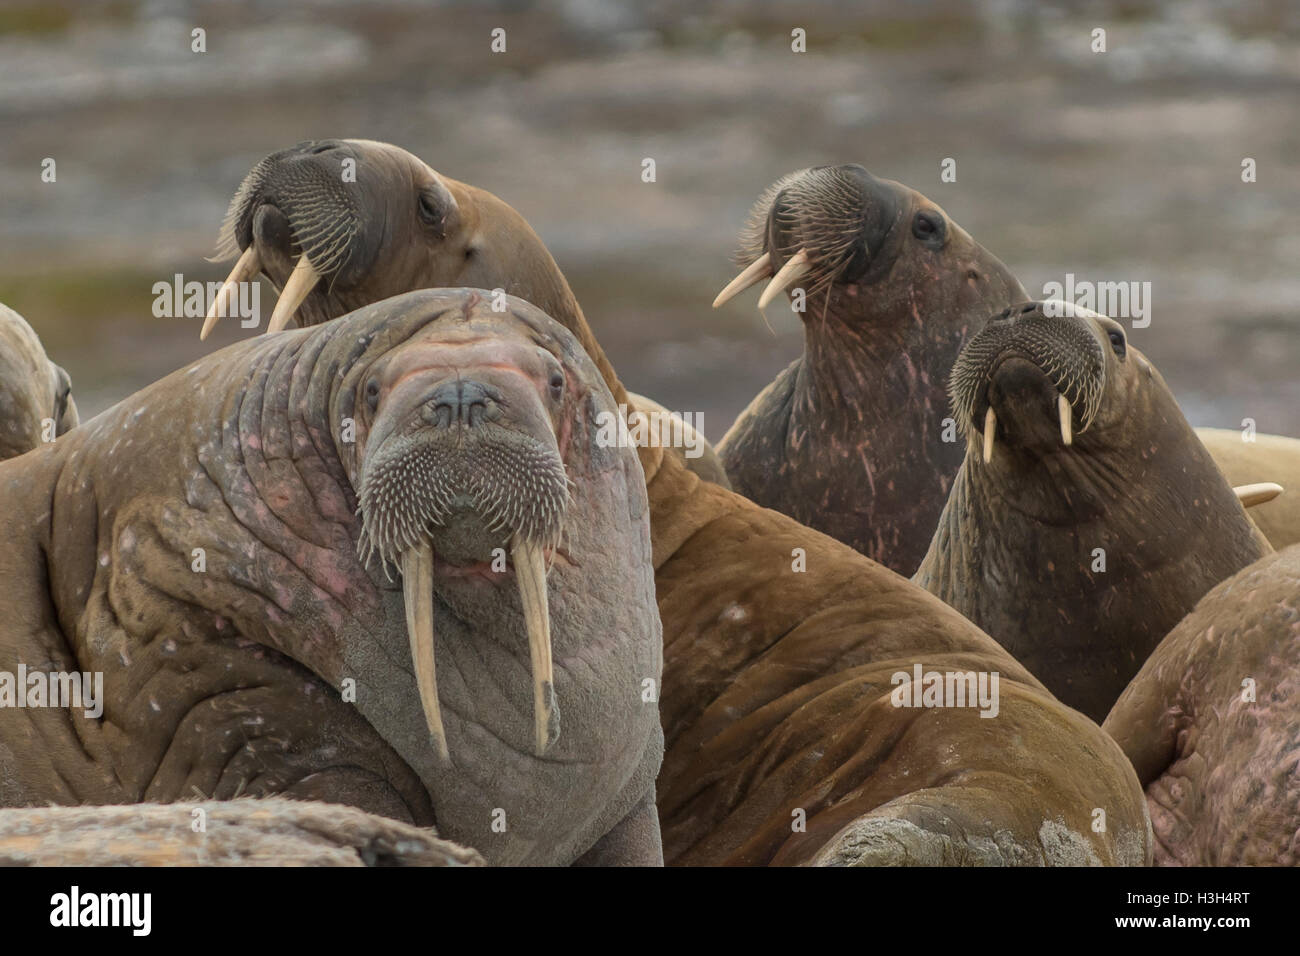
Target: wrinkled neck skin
x,y
859,421
258,478
1016,546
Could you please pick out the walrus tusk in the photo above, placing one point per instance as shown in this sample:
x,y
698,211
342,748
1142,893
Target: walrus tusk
x,y
301,281
417,593
530,569
990,426
755,272
246,268
792,270
1063,409
1257,494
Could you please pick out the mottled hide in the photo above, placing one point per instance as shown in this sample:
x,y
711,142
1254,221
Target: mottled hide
x,y
853,438
197,545
1212,724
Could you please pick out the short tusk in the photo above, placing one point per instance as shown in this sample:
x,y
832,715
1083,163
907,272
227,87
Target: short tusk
x,y
530,569
417,593
990,426
301,281
245,269
792,270
1251,495
755,272
1063,409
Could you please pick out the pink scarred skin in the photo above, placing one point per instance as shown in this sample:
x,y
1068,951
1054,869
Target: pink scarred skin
x,y
1212,724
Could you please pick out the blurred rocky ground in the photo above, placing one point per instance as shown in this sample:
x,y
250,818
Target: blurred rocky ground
x,y
1115,166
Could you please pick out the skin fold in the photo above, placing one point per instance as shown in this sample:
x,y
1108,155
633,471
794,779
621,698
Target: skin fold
x,y
781,645
1078,559
283,665
36,403
851,438
1212,724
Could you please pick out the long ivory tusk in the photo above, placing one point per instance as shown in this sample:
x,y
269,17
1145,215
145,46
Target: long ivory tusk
x,y
1063,409
792,270
301,281
755,272
990,426
417,593
1257,494
530,569
246,268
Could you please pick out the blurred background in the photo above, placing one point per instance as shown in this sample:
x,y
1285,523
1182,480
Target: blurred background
x,y
1117,166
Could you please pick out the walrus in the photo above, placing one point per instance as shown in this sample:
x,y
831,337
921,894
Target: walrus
x,y
274,228
1212,724
264,554
797,727
1259,458
270,832
36,402
852,438
1087,518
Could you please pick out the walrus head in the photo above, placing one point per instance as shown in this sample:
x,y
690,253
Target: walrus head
x,y
462,438
33,390
841,234
338,224
1055,385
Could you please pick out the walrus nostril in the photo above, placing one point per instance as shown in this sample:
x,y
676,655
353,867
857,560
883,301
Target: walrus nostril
x,y
460,402
316,147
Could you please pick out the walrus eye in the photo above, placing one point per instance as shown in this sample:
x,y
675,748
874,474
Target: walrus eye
x,y
372,394
1117,342
428,208
929,227
557,385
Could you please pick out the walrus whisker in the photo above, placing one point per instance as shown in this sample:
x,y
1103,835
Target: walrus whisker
x,y
1257,494
754,273
795,267
245,269
417,594
1063,410
990,427
300,283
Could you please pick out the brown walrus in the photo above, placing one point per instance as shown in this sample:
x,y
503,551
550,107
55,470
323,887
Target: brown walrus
x,y
1087,518
1212,724
36,403
853,438
1262,458
797,727
222,547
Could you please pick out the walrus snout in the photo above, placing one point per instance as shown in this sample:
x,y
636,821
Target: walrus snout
x,y
1034,363
817,226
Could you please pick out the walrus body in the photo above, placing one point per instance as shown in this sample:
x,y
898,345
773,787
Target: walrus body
x,y
1087,518
1262,458
36,403
247,649
793,734
1212,724
852,438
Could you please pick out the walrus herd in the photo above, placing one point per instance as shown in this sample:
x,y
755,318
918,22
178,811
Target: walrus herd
x,y
408,570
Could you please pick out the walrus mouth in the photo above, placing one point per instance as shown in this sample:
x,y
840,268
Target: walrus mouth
x,y
824,224
463,496
1061,348
318,214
